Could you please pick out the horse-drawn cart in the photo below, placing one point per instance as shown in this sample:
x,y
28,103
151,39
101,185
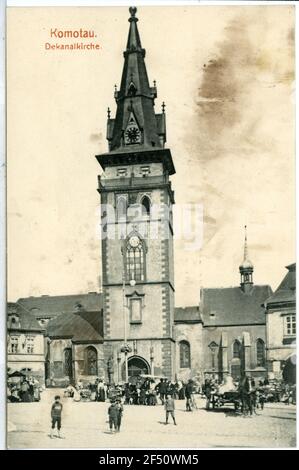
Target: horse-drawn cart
x,y
218,400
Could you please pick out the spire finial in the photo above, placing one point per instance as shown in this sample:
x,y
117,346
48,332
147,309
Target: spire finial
x,y
108,113
163,107
133,11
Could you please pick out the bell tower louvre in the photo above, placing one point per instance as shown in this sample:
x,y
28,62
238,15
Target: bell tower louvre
x,y
137,229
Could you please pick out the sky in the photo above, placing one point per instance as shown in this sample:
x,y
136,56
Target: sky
x,y
226,74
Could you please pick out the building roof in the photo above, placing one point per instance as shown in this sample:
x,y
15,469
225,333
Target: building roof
x,y
286,291
187,314
50,306
232,306
26,321
81,327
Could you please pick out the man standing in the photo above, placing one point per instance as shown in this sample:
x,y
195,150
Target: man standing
x,y
188,394
163,390
113,414
169,408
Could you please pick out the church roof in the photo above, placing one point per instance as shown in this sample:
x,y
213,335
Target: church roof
x,y
27,322
286,291
187,314
231,306
51,306
82,327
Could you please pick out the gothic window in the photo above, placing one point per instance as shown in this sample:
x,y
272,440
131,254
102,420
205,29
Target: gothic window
x,y
145,205
91,361
122,205
290,325
135,259
260,353
68,363
237,349
185,356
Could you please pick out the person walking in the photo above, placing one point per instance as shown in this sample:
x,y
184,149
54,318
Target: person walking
x,y
188,394
56,412
169,408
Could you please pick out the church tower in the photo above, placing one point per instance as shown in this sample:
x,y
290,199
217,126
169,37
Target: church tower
x,y
137,230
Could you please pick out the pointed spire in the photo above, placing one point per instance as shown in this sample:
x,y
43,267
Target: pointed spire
x,y
134,42
135,124
245,244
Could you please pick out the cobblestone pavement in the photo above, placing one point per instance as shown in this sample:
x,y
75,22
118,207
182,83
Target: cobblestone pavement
x,y
84,425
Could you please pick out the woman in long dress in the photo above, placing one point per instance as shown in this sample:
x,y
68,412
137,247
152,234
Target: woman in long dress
x,y
101,391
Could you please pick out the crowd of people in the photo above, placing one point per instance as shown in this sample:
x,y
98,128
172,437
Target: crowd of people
x,y
23,390
144,391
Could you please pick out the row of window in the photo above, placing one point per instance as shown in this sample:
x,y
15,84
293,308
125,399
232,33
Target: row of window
x,y
15,346
143,170
237,352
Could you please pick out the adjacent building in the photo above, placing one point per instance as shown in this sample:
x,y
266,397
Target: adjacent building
x,y
226,333
73,327
25,342
281,328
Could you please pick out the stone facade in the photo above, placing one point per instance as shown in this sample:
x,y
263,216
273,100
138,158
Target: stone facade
x,y
280,311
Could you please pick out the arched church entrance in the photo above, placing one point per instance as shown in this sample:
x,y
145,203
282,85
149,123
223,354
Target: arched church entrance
x,y
136,367
289,370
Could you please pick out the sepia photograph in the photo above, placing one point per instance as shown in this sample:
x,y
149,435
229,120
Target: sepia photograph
x,y
151,230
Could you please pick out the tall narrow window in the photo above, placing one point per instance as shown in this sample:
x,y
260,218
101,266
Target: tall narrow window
x,y
146,205
135,259
185,356
237,349
260,353
14,344
68,362
30,344
121,204
91,361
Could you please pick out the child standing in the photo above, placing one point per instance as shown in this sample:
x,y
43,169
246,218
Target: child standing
x,y
169,408
120,409
56,411
113,414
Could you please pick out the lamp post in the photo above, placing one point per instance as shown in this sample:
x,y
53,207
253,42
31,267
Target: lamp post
x,y
125,348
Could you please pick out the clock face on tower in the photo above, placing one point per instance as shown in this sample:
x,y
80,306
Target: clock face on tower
x,y
132,135
134,241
